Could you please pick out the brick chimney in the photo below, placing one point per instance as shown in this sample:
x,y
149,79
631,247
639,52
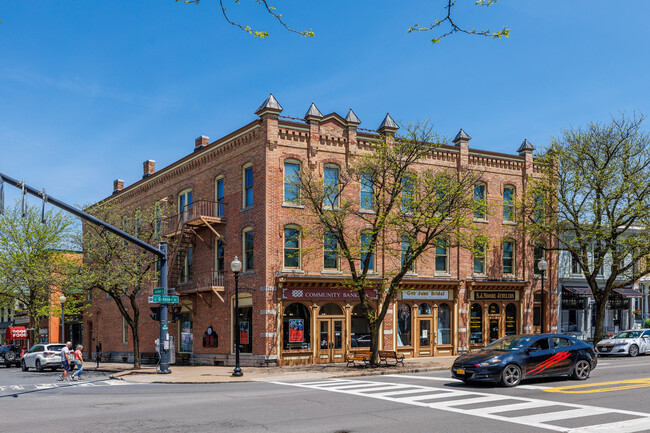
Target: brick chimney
x,y
148,168
118,185
201,142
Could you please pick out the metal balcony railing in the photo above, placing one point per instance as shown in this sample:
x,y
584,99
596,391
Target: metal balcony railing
x,y
194,213
203,281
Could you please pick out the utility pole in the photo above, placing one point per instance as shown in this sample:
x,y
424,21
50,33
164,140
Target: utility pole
x,y
160,252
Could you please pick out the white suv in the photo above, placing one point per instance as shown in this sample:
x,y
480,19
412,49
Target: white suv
x,y
42,356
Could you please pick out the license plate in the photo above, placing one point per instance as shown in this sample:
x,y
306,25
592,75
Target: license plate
x,y
460,371
604,349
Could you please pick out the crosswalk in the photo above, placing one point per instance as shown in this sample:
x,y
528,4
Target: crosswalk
x,y
59,384
531,412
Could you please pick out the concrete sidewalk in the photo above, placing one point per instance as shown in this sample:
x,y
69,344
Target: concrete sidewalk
x,y
206,374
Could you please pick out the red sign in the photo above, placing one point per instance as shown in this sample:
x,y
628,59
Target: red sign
x,y
296,330
243,332
326,294
15,333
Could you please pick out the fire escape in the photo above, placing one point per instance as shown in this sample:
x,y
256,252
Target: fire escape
x,y
184,230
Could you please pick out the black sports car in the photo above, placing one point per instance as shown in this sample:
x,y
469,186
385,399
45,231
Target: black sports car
x,y
517,357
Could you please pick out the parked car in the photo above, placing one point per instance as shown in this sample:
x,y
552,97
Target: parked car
x,y
511,359
10,355
42,356
629,343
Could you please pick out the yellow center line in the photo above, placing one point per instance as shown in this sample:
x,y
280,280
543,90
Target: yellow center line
x,y
602,386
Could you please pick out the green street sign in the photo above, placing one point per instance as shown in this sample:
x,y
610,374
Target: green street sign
x,y
159,291
165,327
164,299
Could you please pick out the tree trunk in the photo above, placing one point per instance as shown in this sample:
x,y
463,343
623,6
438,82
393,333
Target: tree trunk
x,y
374,342
136,343
599,326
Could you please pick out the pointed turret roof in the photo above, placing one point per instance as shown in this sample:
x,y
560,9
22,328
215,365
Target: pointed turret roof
x,y
313,111
352,118
526,146
462,135
388,123
270,104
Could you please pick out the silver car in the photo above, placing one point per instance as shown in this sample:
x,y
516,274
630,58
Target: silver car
x,y
42,356
630,343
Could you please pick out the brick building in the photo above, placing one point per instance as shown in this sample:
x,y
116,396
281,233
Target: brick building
x,y
234,198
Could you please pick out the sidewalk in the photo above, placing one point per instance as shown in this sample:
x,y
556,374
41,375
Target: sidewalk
x,y
206,374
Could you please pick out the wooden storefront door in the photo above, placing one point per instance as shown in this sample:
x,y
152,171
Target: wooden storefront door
x,y
426,336
330,340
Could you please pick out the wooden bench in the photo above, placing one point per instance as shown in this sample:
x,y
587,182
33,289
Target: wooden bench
x,y
182,359
149,358
386,355
104,357
358,356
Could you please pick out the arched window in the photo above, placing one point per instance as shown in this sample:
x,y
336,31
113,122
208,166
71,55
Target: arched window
x,y
367,199
476,324
479,257
494,309
403,325
330,310
292,247
408,192
291,181
509,203
508,257
360,329
424,309
330,252
444,324
220,197
441,255
511,319
296,327
331,185
480,204
185,203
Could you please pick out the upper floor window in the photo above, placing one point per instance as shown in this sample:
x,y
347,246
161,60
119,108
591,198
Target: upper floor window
x,y
441,255
185,203
598,262
158,219
575,265
247,238
479,201
509,203
331,185
220,197
508,258
330,251
538,254
367,192
537,208
291,182
366,252
248,185
407,253
138,223
219,260
292,247
187,270
479,257
408,193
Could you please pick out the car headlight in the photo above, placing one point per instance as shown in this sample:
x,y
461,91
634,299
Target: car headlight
x,y
489,362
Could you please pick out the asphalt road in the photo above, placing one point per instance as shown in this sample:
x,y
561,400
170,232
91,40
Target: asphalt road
x,y
615,398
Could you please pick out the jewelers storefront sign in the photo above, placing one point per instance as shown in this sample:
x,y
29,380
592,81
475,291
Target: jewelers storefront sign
x,y
484,295
326,294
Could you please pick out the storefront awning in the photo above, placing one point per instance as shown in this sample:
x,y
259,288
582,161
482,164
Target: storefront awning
x,y
15,333
629,292
579,290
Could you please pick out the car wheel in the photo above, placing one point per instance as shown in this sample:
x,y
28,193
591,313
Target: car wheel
x,y
581,370
511,375
634,350
38,366
23,366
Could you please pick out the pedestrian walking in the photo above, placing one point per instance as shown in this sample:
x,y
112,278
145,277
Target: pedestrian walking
x,y
79,359
65,360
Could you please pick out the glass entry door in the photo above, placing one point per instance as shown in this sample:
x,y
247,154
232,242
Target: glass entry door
x,y
330,340
494,329
426,336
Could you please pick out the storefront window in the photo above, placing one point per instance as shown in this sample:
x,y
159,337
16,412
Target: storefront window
x,y
494,309
404,325
187,336
424,309
330,310
476,325
511,319
444,324
360,332
245,329
295,327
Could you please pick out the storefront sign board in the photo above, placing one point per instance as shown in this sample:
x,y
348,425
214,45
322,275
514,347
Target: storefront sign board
x,y
426,294
326,294
484,295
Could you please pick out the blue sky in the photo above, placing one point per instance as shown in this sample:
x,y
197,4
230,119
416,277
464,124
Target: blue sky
x,y
91,89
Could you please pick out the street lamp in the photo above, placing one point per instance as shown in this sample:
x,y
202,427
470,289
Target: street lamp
x,y
62,301
542,265
236,268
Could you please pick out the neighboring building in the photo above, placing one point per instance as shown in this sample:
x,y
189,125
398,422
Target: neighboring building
x,y
577,305
235,197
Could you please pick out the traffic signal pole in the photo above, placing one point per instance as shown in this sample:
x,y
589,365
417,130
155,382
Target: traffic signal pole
x,y
161,253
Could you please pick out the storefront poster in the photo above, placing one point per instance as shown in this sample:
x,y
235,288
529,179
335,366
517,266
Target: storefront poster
x,y
296,330
426,294
243,332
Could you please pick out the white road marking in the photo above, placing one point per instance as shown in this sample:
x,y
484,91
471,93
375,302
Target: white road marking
x,y
438,398
451,380
62,385
622,366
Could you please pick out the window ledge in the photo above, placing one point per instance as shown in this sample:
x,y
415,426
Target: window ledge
x,y
331,271
367,211
479,276
293,271
509,277
246,208
293,205
480,220
442,274
411,274
509,223
248,272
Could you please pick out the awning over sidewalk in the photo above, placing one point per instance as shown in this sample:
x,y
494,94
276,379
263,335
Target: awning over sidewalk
x,y
579,290
629,292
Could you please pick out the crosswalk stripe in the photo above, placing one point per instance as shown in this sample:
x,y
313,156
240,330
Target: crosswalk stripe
x,y
474,400
513,407
635,425
562,414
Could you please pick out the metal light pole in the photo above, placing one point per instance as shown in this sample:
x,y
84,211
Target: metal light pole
x,y
62,300
542,265
236,268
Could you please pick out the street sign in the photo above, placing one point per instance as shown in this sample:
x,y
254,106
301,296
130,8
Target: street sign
x,y
159,291
156,299
165,328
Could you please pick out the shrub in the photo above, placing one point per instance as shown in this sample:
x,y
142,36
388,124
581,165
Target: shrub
x,y
647,323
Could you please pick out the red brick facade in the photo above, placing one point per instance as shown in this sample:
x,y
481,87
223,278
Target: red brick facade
x,y
269,289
